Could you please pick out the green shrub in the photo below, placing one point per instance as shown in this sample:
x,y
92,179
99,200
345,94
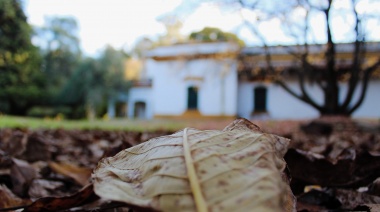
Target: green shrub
x,y
42,112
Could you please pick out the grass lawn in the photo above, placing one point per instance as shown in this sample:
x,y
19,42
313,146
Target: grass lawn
x,y
174,124
112,124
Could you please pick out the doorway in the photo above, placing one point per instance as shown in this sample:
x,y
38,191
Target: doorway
x,y
192,98
260,99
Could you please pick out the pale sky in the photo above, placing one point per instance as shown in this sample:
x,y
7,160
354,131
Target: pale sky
x,y
121,23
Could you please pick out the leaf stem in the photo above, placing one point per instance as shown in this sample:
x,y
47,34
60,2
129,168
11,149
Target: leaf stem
x,y
200,202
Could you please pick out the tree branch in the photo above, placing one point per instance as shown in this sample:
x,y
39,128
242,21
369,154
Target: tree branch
x,y
268,58
306,67
299,97
367,74
305,97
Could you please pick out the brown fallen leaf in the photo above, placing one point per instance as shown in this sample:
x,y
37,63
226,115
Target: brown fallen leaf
x,y
374,187
8,199
81,175
239,168
36,144
351,199
314,169
307,207
14,142
5,160
335,199
22,175
82,197
44,188
368,207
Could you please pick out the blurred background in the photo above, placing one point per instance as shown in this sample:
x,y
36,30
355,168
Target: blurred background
x,y
262,59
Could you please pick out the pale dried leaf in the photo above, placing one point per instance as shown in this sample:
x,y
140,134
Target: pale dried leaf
x,y
237,169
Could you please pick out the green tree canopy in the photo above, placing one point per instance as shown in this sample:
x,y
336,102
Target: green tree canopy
x,y
95,81
210,34
59,44
21,81
112,62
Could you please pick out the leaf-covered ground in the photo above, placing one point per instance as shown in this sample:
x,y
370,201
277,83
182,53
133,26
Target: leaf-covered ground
x,y
334,164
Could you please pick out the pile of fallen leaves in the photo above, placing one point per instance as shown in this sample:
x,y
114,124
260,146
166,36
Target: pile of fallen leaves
x,y
54,163
334,164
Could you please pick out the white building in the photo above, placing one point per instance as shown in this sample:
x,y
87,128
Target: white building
x,y
202,79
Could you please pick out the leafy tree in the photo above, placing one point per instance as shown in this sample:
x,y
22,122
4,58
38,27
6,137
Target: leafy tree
x,y
95,81
108,81
21,81
298,24
112,62
75,92
59,44
210,34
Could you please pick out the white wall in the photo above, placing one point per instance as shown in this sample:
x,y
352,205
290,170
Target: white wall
x,y
216,81
231,90
371,104
167,94
281,105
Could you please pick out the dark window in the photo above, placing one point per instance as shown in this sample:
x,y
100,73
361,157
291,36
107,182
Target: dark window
x,y
260,99
192,98
140,110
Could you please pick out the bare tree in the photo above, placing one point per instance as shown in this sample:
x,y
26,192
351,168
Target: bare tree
x,y
331,73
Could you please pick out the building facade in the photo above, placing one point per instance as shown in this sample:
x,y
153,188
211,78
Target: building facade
x,y
204,79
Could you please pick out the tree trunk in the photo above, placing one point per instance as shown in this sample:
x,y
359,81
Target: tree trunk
x,y
331,99
90,111
331,88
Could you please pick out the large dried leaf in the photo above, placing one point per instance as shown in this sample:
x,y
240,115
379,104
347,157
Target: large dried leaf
x,y
237,169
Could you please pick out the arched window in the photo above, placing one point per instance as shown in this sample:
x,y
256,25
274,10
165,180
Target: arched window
x,y
260,99
192,98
